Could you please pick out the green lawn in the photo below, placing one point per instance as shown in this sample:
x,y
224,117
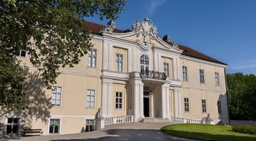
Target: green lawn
x,y
206,132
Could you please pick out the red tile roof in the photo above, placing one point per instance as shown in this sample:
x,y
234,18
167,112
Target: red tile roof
x,y
193,53
96,28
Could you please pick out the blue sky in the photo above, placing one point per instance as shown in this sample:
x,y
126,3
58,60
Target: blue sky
x,y
222,29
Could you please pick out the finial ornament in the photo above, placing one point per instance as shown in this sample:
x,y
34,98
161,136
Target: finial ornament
x,y
110,27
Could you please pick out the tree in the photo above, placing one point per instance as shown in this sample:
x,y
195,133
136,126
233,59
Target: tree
x,y
242,96
52,31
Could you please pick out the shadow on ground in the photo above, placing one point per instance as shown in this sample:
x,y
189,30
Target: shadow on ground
x,y
125,134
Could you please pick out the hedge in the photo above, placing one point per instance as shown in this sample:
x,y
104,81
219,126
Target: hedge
x,y
247,129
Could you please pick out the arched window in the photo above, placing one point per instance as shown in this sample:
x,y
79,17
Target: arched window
x,y
144,64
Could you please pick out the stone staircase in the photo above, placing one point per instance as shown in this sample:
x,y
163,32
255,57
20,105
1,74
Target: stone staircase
x,y
155,120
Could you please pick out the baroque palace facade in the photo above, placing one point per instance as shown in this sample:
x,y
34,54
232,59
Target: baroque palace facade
x,y
131,72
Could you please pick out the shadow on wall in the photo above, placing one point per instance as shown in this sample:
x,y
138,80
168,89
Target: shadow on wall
x,y
38,107
223,105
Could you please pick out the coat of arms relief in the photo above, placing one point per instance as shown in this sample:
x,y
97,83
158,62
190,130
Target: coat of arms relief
x,y
146,29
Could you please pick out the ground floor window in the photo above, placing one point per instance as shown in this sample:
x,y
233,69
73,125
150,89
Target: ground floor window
x,y
89,125
54,126
12,126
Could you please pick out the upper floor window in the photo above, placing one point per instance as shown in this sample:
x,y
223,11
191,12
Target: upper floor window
x,y
22,51
119,62
184,73
217,82
166,69
90,99
56,95
92,55
144,63
201,72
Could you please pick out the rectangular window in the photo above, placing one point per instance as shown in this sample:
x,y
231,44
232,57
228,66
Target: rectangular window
x,y
12,126
186,104
185,73
201,75
56,95
89,125
217,82
22,51
118,100
119,62
219,107
166,69
90,99
92,55
54,126
203,105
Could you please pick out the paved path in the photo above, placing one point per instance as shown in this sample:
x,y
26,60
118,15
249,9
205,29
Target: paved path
x,y
119,132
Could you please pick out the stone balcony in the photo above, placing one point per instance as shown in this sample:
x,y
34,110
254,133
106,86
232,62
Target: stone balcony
x,y
153,75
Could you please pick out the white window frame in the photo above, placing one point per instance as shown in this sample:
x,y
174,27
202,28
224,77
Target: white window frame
x,y
217,79
89,125
56,93
92,58
12,124
90,98
21,51
204,106
119,62
166,69
144,63
59,126
219,107
201,73
186,104
119,100
184,73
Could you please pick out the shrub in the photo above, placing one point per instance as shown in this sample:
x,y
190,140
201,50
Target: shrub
x,y
247,129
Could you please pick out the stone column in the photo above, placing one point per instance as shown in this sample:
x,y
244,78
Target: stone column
x,y
151,105
129,60
177,103
141,94
110,55
106,98
164,92
105,56
136,84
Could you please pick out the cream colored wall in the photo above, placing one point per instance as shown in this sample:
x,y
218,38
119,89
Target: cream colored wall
x,y
119,88
74,92
118,50
170,61
195,91
71,125
209,75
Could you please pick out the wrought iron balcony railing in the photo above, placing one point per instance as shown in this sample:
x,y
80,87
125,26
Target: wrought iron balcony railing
x,y
153,75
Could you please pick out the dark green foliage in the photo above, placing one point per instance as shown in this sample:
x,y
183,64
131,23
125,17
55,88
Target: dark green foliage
x,y
242,96
247,129
52,32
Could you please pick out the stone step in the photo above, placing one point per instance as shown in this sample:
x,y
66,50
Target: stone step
x,y
155,120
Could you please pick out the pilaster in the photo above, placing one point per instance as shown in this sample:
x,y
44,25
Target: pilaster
x,y
106,98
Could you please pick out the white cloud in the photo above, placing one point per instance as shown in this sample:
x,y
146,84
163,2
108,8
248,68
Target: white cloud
x,y
244,65
154,5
